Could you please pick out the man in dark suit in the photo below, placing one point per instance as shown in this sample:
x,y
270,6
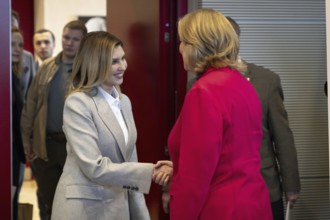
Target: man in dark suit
x,y
279,165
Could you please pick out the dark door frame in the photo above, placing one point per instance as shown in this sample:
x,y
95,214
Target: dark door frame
x,y
5,128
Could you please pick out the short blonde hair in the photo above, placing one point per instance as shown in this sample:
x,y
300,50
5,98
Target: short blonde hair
x,y
93,62
212,39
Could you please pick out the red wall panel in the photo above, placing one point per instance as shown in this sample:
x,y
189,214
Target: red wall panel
x,y
137,24
5,174
25,9
155,80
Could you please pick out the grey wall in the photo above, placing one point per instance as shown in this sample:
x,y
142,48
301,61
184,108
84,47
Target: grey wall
x,y
289,37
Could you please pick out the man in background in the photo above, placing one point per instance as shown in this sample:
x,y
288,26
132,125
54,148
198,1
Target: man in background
x,y
279,164
42,117
44,44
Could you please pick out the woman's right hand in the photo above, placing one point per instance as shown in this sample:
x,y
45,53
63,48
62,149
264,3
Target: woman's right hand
x,y
162,172
164,162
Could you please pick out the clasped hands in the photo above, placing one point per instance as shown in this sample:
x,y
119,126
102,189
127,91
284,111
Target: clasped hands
x,y
163,171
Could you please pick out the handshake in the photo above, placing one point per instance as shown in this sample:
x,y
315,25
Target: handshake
x,y
163,171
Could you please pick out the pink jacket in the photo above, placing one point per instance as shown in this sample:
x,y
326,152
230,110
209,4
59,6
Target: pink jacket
x,y
215,149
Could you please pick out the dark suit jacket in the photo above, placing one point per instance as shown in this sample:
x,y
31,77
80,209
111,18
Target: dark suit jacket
x,y
17,145
279,165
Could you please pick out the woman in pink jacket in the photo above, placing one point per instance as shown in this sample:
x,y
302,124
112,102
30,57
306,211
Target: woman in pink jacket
x,y
214,145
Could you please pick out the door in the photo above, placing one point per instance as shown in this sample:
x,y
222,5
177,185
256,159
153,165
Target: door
x,y
154,80
5,174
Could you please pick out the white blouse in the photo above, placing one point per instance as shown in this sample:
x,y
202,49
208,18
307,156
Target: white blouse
x,y
114,103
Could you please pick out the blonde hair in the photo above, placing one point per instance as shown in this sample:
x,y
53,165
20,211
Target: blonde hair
x,y
93,62
212,40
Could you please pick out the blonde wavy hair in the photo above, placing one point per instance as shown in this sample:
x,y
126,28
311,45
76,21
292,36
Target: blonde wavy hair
x,y
93,62
212,40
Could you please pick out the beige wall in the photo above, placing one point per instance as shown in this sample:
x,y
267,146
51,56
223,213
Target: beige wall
x,y
53,15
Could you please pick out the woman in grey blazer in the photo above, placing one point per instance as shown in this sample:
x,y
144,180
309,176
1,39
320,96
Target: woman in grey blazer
x,y
102,178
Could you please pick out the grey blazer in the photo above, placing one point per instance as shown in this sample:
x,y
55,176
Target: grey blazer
x,y
279,165
101,178
28,73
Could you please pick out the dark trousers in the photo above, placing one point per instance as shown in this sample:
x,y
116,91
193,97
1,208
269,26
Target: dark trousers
x,y
278,210
43,212
48,173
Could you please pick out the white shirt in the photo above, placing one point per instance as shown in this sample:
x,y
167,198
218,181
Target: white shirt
x,y
114,103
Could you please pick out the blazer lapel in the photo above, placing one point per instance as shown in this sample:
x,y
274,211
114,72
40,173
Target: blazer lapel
x,y
111,122
128,117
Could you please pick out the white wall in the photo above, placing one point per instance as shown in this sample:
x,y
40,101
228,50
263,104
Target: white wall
x,y
53,15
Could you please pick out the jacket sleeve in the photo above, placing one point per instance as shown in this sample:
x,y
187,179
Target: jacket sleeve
x,y
82,138
28,112
282,135
200,137
138,207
